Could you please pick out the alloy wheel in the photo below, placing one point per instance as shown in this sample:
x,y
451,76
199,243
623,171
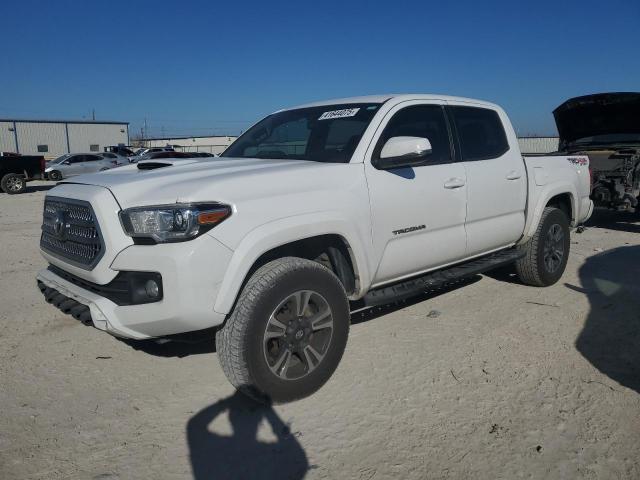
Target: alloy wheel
x,y
298,335
554,248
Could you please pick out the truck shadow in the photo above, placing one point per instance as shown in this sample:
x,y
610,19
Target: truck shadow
x,y
612,220
240,454
610,338
203,341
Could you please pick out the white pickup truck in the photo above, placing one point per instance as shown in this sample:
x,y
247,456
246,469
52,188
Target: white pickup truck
x,y
314,211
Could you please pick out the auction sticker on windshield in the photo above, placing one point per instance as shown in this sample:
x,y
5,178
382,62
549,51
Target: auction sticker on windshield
x,y
347,112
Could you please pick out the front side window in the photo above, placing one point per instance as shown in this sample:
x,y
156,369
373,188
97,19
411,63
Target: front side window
x,y
61,159
480,133
328,133
425,121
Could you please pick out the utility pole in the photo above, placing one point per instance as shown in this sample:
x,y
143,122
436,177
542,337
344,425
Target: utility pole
x,y
93,114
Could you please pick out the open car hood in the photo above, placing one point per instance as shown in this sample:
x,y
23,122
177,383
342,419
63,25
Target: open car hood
x,y
599,114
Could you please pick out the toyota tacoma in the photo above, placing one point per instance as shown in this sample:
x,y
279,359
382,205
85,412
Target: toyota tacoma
x,y
313,212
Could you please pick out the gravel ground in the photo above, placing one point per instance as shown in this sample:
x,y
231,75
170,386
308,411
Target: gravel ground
x,y
491,380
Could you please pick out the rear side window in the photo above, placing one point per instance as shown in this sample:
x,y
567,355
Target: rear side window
x,y
420,121
480,133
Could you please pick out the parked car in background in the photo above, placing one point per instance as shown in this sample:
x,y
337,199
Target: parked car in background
x,y
71,164
16,170
154,155
606,127
314,210
119,150
144,154
120,159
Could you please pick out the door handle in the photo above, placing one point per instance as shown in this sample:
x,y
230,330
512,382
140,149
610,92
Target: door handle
x,y
454,183
513,175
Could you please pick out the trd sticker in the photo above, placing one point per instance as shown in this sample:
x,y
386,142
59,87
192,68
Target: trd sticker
x,y
347,112
409,229
581,161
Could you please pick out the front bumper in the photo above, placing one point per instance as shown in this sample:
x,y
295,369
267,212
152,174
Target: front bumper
x,y
191,276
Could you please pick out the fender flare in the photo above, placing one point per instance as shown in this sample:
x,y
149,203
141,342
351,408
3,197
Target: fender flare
x,y
271,235
545,194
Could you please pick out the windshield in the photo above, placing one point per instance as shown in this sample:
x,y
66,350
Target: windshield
x,y
329,133
609,138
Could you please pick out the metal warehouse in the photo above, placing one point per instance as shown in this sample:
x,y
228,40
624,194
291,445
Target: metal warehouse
x,y
53,138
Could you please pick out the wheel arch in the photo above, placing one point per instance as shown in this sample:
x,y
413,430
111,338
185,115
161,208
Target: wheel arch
x,y
565,202
562,196
333,244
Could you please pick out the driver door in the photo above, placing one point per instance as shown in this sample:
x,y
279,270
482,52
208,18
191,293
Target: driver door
x,y
418,213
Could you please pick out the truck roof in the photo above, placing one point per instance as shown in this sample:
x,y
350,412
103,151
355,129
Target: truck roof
x,y
397,97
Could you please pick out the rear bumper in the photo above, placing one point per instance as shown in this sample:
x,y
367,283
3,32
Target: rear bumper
x,y
587,206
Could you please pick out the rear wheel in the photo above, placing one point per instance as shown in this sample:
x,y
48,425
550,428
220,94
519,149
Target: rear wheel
x,y
547,252
287,333
13,183
55,176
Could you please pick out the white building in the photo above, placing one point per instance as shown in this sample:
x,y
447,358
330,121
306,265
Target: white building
x,y
215,144
53,138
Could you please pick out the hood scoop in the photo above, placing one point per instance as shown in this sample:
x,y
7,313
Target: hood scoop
x,y
152,165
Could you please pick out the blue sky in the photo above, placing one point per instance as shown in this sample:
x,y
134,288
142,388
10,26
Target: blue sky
x,y
205,67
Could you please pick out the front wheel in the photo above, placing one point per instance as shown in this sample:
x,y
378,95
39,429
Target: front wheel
x,y
13,183
547,252
287,332
55,176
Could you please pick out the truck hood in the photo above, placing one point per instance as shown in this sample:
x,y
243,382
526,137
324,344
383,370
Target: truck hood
x,y
221,179
599,114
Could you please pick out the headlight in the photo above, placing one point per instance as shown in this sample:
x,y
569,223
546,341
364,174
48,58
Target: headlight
x,y
172,223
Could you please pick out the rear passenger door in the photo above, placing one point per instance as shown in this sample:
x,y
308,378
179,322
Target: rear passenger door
x,y
75,165
496,177
93,163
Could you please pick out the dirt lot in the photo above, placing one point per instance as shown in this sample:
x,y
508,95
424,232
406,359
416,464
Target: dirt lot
x,y
492,380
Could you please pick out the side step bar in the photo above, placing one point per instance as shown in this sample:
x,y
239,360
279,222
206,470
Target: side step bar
x,y
439,278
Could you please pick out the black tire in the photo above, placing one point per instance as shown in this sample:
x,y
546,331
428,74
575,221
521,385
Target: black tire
x,y
242,346
55,176
546,254
12,183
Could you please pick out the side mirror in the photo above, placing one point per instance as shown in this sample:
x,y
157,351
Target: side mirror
x,y
66,162
403,152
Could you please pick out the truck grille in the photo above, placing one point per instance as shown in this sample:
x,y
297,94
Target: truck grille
x,y
70,231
